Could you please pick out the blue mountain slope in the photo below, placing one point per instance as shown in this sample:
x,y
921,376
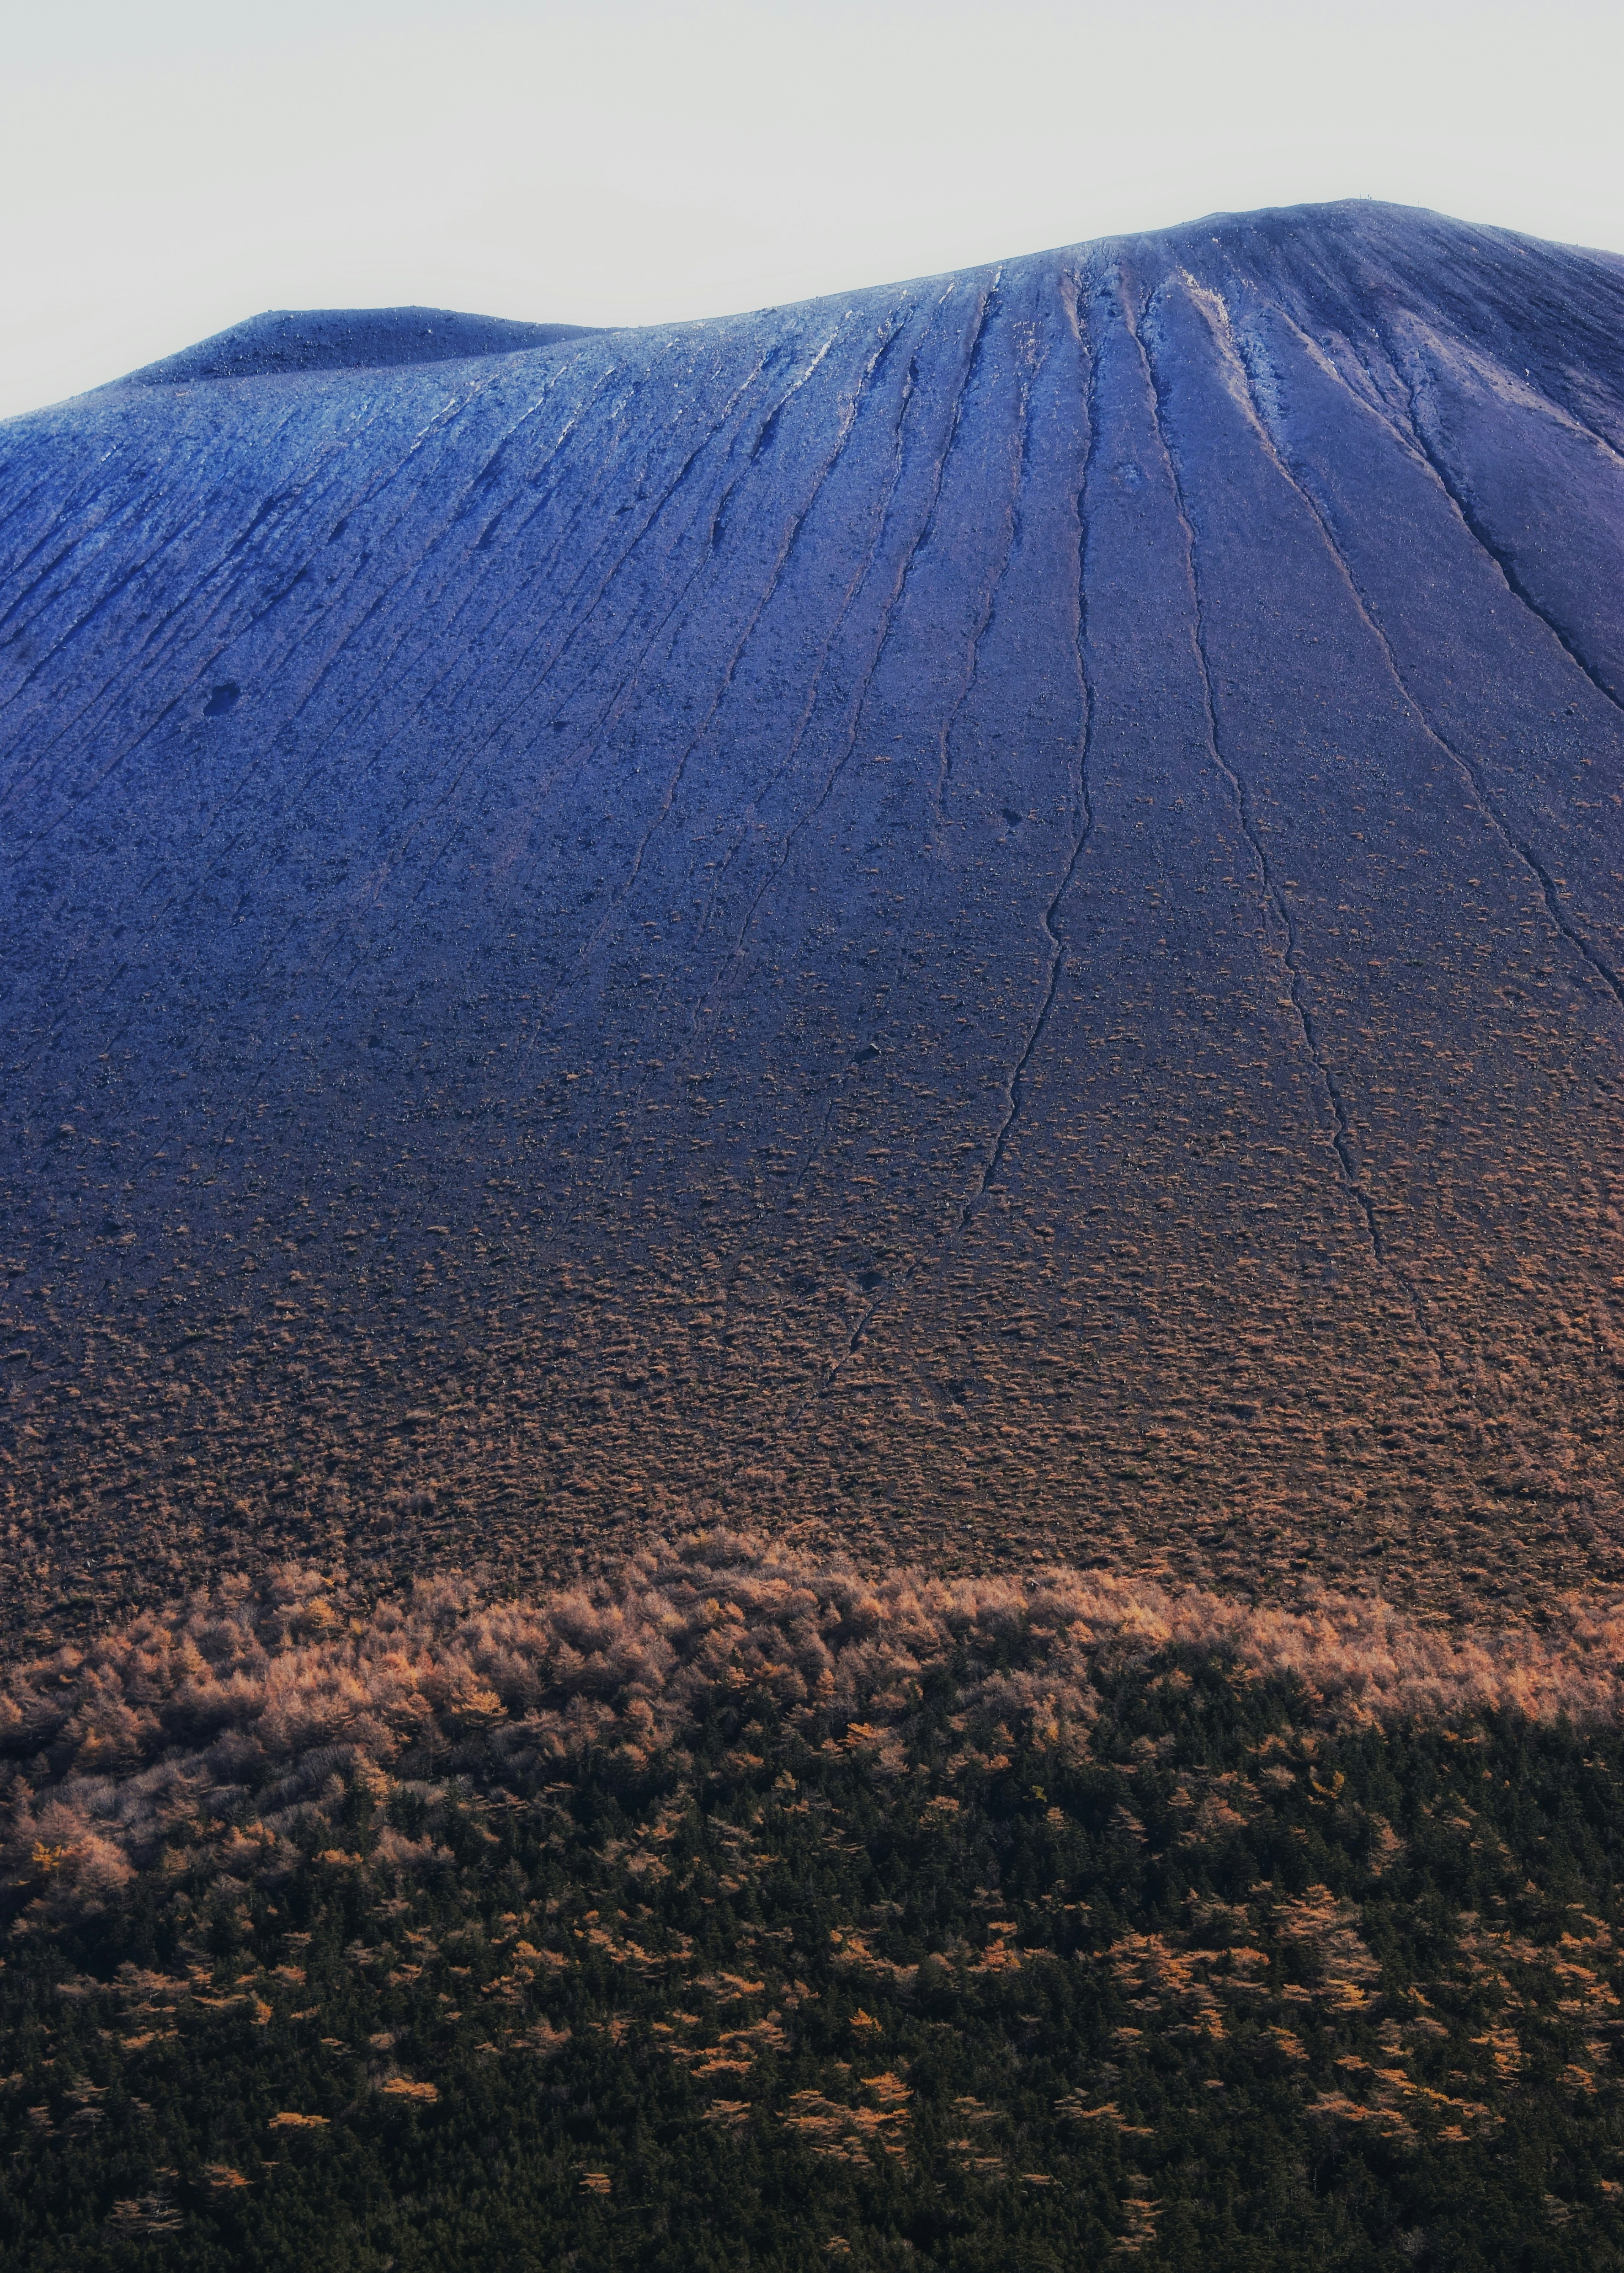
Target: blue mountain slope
x,y
285,341
983,915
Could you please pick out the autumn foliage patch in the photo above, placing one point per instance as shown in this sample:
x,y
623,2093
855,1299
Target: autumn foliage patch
x,y
741,1908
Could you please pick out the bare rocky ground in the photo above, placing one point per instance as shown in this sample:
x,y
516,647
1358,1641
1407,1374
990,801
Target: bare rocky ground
x,y
974,922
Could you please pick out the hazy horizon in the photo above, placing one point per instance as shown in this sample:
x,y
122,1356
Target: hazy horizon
x,y
166,179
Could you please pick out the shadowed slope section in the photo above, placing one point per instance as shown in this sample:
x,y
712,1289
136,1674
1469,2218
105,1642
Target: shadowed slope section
x,y
985,916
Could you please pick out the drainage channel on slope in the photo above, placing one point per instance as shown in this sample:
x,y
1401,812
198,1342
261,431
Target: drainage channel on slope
x,y
1353,1182
1016,1087
1517,846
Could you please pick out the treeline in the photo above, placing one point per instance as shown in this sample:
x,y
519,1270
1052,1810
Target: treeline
x,y
787,1921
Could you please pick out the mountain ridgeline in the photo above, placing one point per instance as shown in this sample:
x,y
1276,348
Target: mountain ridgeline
x,y
983,916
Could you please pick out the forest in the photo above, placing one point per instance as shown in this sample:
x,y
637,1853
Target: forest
x,y
730,1910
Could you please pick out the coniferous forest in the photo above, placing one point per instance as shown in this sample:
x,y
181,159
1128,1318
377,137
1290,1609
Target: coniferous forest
x,y
732,1911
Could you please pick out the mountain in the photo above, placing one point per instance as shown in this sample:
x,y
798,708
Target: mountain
x,y
981,919
287,340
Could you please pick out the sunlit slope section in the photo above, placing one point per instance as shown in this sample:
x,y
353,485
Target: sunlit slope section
x,y
989,915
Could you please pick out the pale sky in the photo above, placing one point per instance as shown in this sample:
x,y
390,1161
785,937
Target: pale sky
x,y
168,167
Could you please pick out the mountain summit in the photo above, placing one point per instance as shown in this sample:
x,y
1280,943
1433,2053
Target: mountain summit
x,y
983,916
287,341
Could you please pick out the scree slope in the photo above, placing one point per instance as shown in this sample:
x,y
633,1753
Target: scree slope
x,y
981,917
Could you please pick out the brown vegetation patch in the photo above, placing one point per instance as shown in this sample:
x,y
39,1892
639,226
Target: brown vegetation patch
x,y
147,1743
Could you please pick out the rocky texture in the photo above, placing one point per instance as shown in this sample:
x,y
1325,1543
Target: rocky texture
x,y
986,917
